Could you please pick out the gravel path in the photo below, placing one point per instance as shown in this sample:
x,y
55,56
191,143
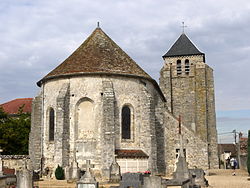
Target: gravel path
x,y
224,179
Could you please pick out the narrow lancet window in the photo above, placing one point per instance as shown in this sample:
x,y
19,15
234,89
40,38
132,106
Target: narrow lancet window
x,y
51,124
187,67
126,123
178,67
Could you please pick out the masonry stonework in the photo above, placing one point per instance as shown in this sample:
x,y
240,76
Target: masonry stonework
x,y
88,92
189,89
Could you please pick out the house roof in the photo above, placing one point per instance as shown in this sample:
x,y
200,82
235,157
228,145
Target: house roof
x,y
130,153
183,47
12,107
98,54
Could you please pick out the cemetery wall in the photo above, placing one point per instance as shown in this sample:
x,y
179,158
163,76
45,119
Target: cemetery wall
x,y
14,161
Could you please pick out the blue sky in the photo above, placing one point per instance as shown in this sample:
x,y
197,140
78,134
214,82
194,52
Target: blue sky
x,y
37,35
227,121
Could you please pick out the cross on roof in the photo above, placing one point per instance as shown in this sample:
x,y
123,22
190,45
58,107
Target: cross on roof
x,y
183,27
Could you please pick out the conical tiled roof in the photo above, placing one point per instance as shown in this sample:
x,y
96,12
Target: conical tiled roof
x,y
183,47
99,54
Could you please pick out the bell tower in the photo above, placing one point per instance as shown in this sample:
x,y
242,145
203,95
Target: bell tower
x,y
188,85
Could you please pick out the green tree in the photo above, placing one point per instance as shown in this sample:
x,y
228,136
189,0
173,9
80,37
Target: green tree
x,y
248,153
14,133
3,115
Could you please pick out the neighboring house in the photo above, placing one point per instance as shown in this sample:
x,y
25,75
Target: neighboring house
x,y
12,107
226,151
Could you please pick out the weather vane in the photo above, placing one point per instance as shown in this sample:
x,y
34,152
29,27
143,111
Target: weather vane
x,y
98,25
183,27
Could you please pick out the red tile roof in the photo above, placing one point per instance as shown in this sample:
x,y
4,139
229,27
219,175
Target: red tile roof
x,y
12,107
130,153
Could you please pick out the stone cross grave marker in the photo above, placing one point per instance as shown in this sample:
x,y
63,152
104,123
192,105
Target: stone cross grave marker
x,y
88,165
87,180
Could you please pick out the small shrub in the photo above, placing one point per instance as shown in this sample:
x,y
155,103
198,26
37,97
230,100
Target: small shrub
x,y
59,173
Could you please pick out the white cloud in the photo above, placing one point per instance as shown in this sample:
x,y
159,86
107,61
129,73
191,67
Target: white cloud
x,y
38,35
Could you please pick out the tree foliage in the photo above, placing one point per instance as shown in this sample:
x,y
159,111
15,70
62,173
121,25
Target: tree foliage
x,y
248,152
14,133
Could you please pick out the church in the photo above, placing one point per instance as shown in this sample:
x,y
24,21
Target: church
x,y
100,105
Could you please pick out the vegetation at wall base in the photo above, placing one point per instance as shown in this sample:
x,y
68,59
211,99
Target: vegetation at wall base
x,y
248,153
59,173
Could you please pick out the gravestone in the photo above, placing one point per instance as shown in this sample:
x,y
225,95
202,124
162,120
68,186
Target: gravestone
x,y
67,173
177,183
134,180
75,170
181,171
72,172
1,166
181,175
1,163
152,182
198,177
115,172
24,178
87,180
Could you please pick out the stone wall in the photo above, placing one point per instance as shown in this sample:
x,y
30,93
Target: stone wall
x,y
243,162
191,95
14,161
108,94
211,120
196,148
36,132
61,140
108,127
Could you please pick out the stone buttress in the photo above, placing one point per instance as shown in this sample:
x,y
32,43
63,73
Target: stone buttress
x,y
35,137
62,127
108,127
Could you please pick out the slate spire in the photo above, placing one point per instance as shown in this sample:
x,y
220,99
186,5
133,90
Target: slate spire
x,y
183,47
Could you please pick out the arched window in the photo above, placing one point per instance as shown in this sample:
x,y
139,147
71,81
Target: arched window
x,y
178,67
187,67
126,123
51,124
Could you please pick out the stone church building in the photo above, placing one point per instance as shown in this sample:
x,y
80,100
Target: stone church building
x,y
100,105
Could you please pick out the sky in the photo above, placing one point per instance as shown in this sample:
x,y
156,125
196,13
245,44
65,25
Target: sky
x,y
37,35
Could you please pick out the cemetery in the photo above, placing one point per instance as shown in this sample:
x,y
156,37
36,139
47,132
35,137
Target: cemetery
x,y
26,178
